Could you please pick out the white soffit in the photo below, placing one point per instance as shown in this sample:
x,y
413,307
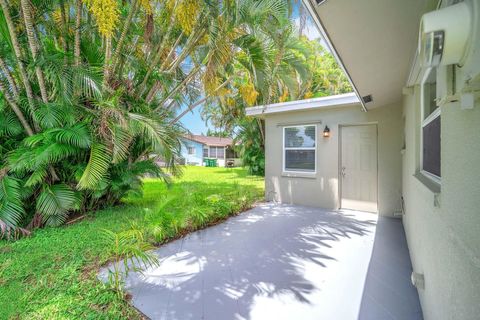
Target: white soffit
x,y
307,104
375,41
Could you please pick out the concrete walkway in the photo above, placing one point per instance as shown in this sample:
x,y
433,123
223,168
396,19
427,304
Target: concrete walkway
x,y
283,262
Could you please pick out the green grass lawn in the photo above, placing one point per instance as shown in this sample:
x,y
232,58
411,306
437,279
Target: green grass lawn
x,y
52,274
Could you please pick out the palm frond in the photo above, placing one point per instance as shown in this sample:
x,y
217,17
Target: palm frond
x,y
54,202
53,114
11,206
9,125
76,135
37,177
121,142
97,167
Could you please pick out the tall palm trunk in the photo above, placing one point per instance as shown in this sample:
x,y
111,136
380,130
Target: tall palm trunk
x,y
196,104
18,53
18,112
123,36
278,60
78,21
170,53
190,108
260,126
153,91
158,53
8,75
108,61
32,42
181,85
63,37
187,50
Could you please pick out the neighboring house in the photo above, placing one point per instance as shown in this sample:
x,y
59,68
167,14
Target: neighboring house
x,y
192,152
408,146
196,148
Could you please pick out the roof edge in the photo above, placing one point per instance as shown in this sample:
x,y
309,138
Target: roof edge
x,y
297,105
193,140
326,38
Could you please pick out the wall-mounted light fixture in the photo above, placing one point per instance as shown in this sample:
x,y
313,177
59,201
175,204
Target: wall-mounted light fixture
x,y
326,132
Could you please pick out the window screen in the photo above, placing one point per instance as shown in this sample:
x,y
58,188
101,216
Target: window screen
x,y
220,152
299,148
216,152
431,147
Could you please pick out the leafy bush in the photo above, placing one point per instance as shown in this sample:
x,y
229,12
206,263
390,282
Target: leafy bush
x,y
129,252
250,145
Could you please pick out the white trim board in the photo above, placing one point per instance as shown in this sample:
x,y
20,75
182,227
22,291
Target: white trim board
x,y
316,19
307,104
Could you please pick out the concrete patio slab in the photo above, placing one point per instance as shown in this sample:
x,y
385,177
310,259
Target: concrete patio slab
x,y
283,262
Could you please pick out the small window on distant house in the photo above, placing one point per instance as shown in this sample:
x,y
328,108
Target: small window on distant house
x,y
191,150
205,152
217,152
299,148
220,152
213,152
431,116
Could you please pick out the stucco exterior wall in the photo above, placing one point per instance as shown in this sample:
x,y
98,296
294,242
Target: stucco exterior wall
x,y
322,190
443,227
197,158
444,238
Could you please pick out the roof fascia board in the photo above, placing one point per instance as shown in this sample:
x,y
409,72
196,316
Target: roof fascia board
x,y
326,37
298,105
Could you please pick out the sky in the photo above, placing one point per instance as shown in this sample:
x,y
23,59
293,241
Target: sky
x,y
193,121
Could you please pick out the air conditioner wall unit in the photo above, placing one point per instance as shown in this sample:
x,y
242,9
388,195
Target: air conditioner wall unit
x,y
445,35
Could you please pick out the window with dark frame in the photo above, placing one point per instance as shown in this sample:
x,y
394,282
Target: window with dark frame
x,y
299,148
191,150
216,152
431,127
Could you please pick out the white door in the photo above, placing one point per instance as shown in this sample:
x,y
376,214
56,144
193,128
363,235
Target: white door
x,y
358,171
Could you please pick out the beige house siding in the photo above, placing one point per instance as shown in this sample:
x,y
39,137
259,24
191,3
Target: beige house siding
x,y
444,239
322,190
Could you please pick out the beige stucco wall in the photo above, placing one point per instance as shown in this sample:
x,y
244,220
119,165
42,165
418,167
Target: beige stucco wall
x,y
322,190
444,235
444,239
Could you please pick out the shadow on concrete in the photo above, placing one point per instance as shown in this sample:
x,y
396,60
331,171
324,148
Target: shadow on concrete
x,y
273,262
388,292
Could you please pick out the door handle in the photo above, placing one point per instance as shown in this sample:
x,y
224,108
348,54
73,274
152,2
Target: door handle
x,y
343,172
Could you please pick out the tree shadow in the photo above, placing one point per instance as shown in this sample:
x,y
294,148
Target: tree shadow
x,y
225,271
388,292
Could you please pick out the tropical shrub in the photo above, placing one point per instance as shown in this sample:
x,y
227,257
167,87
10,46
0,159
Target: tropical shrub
x,y
92,91
295,68
130,252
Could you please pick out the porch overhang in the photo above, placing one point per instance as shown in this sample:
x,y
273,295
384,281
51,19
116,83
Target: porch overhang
x,y
375,41
306,104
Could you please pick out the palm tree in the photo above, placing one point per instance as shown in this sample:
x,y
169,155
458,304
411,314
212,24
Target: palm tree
x,y
99,87
96,138
34,47
13,39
